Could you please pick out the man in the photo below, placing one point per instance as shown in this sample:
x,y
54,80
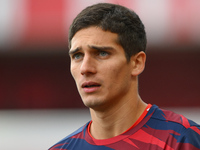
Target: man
x,y
107,50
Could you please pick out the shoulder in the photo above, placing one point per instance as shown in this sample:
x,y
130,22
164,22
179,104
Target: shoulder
x,y
178,127
172,118
73,137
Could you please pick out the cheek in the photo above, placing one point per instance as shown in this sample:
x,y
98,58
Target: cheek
x,y
120,69
73,72
118,73
75,76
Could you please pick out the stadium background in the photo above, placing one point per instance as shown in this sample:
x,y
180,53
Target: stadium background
x,y
35,82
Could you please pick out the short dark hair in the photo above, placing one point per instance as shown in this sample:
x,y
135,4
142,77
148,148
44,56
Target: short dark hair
x,y
116,19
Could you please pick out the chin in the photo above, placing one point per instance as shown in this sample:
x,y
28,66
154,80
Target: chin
x,y
93,104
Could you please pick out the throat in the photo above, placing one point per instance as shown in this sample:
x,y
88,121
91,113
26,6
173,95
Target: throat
x,y
115,124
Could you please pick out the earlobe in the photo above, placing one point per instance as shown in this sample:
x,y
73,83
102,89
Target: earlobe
x,y
138,63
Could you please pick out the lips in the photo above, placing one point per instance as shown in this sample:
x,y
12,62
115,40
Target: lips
x,y
90,87
90,84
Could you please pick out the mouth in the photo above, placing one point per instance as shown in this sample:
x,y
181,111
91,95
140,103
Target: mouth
x,y
90,87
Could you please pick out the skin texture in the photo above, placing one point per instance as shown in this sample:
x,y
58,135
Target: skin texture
x,y
106,81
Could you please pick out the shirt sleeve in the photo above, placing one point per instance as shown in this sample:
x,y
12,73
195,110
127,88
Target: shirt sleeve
x,y
190,139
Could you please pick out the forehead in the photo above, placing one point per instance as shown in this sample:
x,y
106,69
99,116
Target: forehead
x,y
94,36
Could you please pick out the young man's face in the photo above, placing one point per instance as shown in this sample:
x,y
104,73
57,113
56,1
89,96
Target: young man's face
x,y
99,67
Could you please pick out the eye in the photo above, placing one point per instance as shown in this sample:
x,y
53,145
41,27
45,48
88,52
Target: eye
x,y
77,56
103,53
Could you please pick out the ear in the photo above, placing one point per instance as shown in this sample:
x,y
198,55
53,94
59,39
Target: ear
x,y
138,63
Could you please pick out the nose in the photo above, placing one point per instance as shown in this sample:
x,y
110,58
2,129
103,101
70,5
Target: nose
x,y
88,66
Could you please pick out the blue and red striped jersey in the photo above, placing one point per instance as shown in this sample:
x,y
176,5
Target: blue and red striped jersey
x,y
158,130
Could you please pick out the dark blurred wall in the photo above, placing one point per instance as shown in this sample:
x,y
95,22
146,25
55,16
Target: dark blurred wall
x,y
171,78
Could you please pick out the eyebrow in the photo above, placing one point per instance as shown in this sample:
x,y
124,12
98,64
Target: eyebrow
x,y
99,48
71,52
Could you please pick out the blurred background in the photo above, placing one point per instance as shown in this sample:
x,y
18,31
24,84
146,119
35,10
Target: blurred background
x,y
39,102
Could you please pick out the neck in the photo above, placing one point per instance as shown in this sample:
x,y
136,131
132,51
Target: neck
x,y
116,120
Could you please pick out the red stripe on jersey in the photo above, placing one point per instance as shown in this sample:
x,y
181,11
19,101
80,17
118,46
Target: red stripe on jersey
x,y
147,138
185,122
195,129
